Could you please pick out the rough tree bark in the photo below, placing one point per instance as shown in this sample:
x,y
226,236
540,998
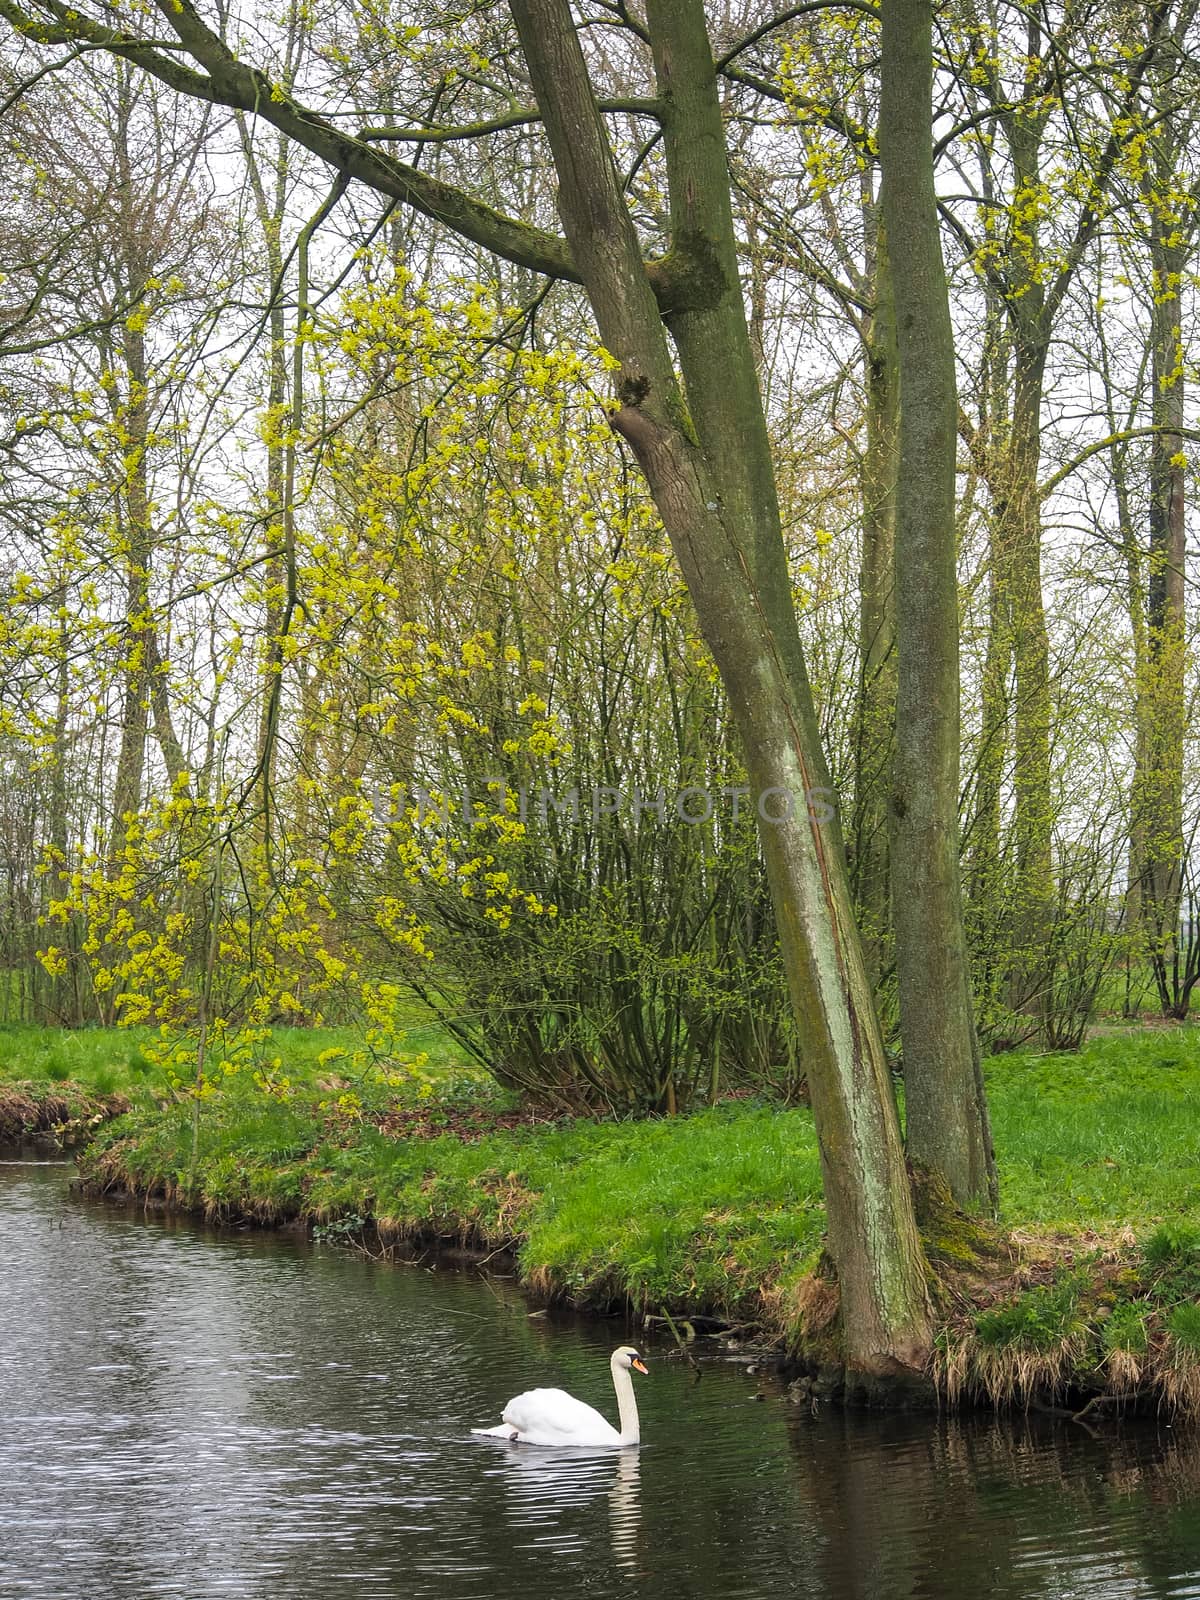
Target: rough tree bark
x,y
945,1105
1157,831
874,729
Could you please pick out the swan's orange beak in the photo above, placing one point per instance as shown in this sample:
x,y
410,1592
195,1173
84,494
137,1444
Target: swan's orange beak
x,y
638,1364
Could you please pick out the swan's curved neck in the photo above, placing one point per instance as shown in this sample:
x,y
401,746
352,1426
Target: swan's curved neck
x,y
630,1430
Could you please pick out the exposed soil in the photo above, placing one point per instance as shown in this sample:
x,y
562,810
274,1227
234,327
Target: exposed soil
x,y
64,1117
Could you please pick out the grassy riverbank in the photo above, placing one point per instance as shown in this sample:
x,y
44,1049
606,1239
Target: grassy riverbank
x,y
1089,1287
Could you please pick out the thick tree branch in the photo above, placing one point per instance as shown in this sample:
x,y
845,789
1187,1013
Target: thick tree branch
x,y
229,82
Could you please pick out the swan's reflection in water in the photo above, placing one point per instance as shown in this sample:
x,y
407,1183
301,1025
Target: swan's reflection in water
x,y
546,1487
625,1510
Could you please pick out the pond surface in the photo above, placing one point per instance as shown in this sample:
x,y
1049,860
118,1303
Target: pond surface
x,y
192,1415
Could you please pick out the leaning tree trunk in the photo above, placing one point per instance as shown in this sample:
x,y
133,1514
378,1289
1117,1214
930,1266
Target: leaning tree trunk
x,y
945,1106
708,466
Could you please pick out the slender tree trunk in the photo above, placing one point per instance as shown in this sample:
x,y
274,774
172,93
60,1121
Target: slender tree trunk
x,y
165,734
1161,699
269,209
146,689
875,711
66,1000
1033,287
708,466
1020,541
1021,638
946,1109
135,542
986,916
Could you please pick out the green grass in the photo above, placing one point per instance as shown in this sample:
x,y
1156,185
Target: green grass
x,y
1126,1329
1040,1320
103,1060
1173,1247
1106,1138
1183,1324
710,1208
83,1067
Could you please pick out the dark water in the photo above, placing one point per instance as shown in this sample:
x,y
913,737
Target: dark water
x,y
191,1416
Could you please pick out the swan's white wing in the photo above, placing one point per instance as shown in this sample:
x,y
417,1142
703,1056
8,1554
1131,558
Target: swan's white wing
x,y
552,1416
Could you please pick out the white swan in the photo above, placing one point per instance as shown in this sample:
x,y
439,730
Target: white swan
x,y
551,1416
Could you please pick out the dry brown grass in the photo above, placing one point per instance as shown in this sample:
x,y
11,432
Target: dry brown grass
x,y
969,1369
1125,1370
1178,1374
812,1305
543,1283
